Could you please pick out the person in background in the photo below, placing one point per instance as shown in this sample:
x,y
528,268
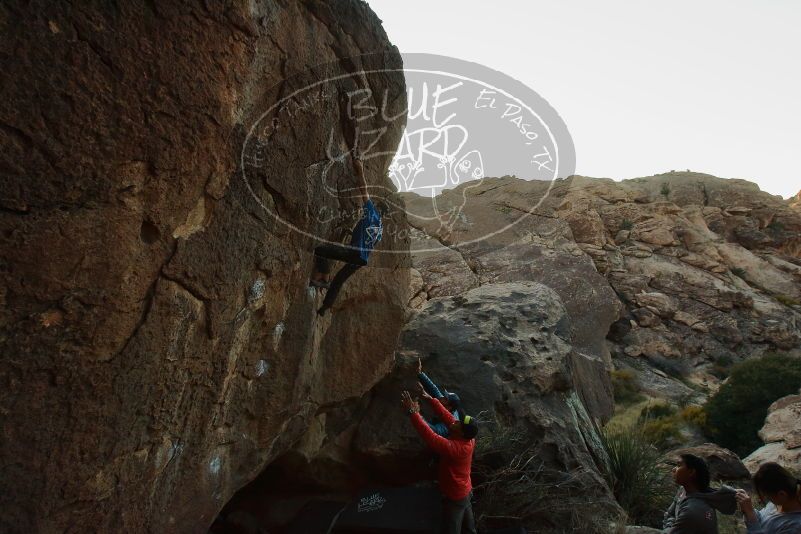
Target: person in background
x,y
455,466
450,401
693,509
782,491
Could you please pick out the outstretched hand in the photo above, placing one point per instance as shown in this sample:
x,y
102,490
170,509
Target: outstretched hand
x,y
419,365
423,391
408,403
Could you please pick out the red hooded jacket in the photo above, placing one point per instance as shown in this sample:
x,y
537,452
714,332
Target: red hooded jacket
x,y
456,455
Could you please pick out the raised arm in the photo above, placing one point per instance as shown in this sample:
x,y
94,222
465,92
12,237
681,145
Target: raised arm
x,y
430,387
435,442
442,412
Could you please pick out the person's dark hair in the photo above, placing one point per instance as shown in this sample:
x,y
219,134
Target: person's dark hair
x,y
469,427
698,465
771,478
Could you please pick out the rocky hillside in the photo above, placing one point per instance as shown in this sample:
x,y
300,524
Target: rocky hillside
x,y
781,434
159,342
693,272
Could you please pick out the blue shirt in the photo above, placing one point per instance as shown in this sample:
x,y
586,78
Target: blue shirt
x,y
770,521
367,231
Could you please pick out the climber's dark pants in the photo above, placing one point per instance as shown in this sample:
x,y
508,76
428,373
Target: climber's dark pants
x,y
458,515
322,256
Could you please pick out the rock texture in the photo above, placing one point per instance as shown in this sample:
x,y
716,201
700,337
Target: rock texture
x,y
782,436
707,270
159,344
724,465
452,259
507,349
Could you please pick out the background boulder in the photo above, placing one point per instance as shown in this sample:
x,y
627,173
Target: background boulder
x,y
782,436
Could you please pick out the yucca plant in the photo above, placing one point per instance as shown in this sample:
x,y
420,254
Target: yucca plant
x,y
639,481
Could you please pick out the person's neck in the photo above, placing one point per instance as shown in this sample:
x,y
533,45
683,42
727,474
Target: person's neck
x,y
691,488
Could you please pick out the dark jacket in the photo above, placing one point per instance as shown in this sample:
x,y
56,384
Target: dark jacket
x,y
695,513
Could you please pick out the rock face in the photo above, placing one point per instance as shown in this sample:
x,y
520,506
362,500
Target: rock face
x,y
782,436
707,270
159,342
507,349
795,202
452,259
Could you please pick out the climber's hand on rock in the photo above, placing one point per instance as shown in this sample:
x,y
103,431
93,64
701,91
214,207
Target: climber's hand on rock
x,y
419,365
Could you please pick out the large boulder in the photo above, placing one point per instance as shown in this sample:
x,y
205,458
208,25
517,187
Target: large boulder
x,y
507,232
507,350
159,341
782,436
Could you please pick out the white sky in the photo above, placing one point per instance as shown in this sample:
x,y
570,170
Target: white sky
x,y
644,86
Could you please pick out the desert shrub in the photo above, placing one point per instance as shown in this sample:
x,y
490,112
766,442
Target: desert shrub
x,y
664,432
665,190
514,486
776,226
657,411
737,411
626,225
739,272
638,481
722,367
625,387
694,415
787,301
685,400
661,425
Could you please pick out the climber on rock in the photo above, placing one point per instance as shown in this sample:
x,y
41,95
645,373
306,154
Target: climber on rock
x,y
456,452
450,401
365,235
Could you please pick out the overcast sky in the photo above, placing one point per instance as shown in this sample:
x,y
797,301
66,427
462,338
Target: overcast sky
x,y
645,87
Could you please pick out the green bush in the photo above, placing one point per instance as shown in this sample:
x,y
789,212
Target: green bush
x,y
737,411
660,425
664,433
722,367
625,387
776,226
640,484
626,225
694,415
665,189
